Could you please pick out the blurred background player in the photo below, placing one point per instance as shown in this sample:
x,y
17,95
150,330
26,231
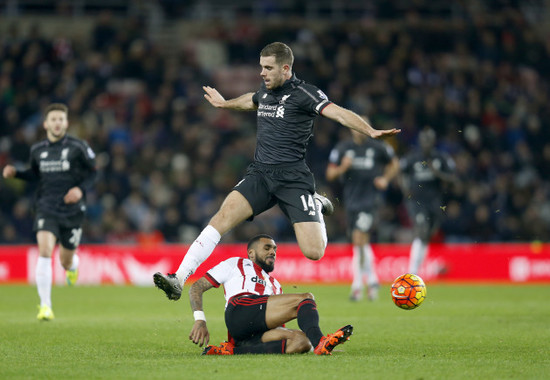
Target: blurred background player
x,y
256,309
286,109
425,173
64,168
365,168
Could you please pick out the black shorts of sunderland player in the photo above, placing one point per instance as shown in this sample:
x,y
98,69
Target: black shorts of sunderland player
x,y
363,221
67,229
245,318
291,186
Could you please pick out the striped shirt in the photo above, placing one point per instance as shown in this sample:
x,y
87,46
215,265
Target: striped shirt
x,y
241,276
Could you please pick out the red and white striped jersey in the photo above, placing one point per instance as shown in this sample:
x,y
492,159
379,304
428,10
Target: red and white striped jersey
x,y
239,275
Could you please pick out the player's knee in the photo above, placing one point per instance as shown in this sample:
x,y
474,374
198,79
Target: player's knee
x,y
307,296
297,343
314,253
66,262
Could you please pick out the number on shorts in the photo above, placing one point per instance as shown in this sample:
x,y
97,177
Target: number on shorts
x,y
308,204
76,235
364,221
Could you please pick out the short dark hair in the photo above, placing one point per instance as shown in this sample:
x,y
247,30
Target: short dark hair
x,y
256,238
56,107
282,53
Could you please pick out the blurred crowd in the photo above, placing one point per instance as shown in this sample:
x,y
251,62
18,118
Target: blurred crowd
x,y
166,158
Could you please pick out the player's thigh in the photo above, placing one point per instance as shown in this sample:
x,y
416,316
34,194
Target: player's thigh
x,y
282,308
234,210
310,238
47,232
46,242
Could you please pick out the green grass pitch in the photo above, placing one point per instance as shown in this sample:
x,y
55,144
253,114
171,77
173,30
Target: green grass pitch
x,y
110,332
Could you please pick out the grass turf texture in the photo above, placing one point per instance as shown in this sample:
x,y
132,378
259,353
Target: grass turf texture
x,y
459,332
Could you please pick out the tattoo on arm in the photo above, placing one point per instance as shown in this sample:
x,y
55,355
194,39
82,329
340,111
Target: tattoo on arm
x,y
196,291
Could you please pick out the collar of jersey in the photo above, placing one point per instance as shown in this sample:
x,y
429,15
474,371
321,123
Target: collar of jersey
x,y
289,83
58,142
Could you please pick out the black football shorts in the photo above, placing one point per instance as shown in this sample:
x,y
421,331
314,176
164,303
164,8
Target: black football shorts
x,y
291,186
67,230
245,318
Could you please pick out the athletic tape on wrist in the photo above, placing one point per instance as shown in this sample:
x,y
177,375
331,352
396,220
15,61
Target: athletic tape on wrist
x,y
199,315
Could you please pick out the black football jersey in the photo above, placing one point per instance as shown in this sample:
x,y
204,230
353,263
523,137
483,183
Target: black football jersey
x,y
369,161
58,167
285,118
423,185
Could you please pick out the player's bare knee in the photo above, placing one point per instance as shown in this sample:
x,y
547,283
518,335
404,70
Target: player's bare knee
x,y
314,253
66,263
306,296
298,343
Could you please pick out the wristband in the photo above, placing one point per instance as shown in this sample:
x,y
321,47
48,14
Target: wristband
x,y
199,315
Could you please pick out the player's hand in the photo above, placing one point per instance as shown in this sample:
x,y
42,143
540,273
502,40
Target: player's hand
x,y
9,171
346,163
199,333
73,195
213,96
381,183
378,133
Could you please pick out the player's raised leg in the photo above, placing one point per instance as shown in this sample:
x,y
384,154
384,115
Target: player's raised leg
x,y
234,210
70,262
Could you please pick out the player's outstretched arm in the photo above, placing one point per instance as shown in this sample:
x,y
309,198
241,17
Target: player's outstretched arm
x,y
199,333
353,121
242,103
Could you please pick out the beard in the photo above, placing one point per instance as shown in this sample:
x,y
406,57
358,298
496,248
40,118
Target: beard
x,y
265,266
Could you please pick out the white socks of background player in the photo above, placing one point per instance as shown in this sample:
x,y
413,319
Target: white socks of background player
x,y
418,253
322,222
199,251
368,265
76,261
357,283
363,264
44,280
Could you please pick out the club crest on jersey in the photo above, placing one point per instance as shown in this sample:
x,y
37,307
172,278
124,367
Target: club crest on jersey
x,y
283,99
43,154
64,153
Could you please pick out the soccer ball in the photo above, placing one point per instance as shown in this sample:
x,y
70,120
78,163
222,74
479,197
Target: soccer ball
x,y
408,291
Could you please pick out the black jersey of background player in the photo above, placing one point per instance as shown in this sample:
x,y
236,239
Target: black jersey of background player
x,y
369,161
58,167
424,187
285,120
